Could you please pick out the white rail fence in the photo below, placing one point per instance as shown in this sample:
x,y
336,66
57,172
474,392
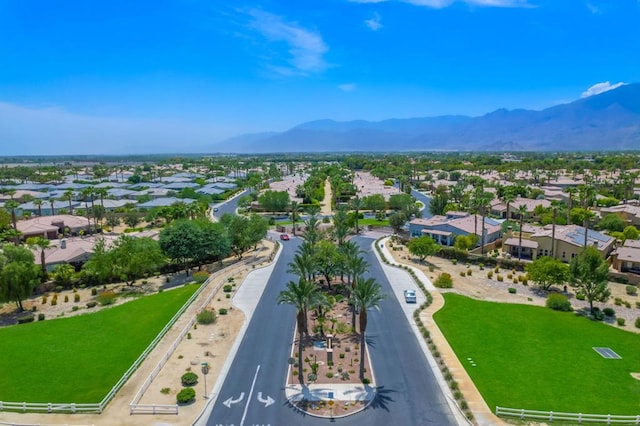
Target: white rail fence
x,y
135,407
149,408
571,417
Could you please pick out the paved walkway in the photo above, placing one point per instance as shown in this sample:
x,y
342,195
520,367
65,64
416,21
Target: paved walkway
x,y
327,391
400,280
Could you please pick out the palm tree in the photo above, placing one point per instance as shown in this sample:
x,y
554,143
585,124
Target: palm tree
x,y
302,265
366,294
589,216
508,198
300,295
571,190
68,195
483,201
53,210
38,202
294,206
12,205
356,206
554,208
522,211
42,243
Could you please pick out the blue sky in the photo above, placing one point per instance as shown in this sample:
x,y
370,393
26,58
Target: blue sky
x,y
177,76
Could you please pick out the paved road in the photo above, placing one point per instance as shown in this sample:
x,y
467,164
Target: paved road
x,y
229,206
408,392
424,200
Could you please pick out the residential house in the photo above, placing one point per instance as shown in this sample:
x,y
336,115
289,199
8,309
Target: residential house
x,y
628,212
569,242
164,202
445,229
499,208
627,257
51,227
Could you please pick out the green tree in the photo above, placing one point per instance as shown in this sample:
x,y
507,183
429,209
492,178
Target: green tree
x,y
423,246
397,221
366,294
42,243
18,274
374,202
546,271
341,226
327,260
99,268
301,296
274,201
439,201
134,258
356,205
522,211
612,223
589,273
132,219
63,274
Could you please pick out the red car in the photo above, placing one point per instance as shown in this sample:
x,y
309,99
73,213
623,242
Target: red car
x,y
284,237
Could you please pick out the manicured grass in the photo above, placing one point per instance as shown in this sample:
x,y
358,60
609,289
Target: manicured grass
x,y
538,359
374,222
79,359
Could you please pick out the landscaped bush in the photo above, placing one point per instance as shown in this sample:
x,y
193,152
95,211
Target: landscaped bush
x,y
227,288
200,276
76,297
512,290
444,280
40,317
620,321
608,312
490,274
66,298
580,296
186,395
92,304
222,311
94,291
25,318
189,379
107,297
558,302
631,290
637,323
500,278
206,317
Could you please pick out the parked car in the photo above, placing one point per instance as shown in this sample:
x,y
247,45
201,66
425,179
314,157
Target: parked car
x,y
410,296
284,237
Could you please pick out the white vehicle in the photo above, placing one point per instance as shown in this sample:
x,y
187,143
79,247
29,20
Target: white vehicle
x,y
410,296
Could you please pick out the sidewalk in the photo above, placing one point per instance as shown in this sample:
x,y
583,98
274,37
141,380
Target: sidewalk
x,y
400,280
328,391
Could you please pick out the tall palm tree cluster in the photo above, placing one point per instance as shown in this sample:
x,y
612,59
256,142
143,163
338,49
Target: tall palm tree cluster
x,y
317,262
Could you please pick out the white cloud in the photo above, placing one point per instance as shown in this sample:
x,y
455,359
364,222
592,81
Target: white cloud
x,y
598,88
347,87
305,47
440,4
374,23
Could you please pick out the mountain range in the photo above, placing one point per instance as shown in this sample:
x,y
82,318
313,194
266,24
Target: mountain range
x,y
607,121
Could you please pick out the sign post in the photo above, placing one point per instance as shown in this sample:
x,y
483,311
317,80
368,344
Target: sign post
x,y
205,370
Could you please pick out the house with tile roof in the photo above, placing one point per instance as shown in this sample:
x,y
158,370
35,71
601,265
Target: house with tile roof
x,y
627,257
568,241
445,229
51,227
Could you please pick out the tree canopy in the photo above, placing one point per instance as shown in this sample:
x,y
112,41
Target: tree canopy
x,y
18,274
547,271
422,247
589,273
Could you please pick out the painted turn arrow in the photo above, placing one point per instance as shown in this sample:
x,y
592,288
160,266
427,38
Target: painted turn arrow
x,y
230,401
267,402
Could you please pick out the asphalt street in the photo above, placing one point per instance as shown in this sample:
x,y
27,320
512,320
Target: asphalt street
x,y
253,392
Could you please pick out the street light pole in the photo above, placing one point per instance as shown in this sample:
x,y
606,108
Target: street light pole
x,y
205,370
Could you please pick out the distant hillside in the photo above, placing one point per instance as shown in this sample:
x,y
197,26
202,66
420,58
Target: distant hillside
x,y
608,121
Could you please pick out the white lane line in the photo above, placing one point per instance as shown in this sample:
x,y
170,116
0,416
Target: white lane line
x,y
246,407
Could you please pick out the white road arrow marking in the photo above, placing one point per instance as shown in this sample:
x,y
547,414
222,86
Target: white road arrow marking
x,y
231,401
267,402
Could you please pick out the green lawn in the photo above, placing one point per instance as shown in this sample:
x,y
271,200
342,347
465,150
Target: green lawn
x,y
538,359
79,359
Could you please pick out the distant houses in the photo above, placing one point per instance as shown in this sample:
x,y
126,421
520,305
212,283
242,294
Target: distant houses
x,y
445,229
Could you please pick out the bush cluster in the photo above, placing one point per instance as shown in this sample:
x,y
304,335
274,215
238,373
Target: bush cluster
x,y
444,280
189,379
206,316
107,297
186,395
558,302
200,276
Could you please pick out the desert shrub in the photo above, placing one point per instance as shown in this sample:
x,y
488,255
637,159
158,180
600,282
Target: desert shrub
x,y
632,290
200,276
94,291
637,323
627,304
40,317
608,312
25,318
107,297
617,301
228,296
620,321
469,272
444,281
75,308
580,296
76,297
558,302
512,290
500,278
189,379
206,316
186,395
66,298
92,304
366,381
509,276
329,375
222,311
227,288
165,391
311,377
597,314
490,274
463,274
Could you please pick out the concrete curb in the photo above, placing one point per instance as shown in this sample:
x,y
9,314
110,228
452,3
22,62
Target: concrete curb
x,y
215,391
